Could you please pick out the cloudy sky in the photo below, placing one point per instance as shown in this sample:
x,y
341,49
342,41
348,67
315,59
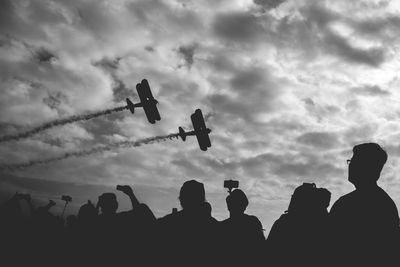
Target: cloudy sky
x,y
291,87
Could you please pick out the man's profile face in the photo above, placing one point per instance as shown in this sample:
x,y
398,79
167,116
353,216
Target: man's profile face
x,y
360,169
354,169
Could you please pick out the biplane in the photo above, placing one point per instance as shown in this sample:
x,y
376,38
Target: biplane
x,y
199,130
147,101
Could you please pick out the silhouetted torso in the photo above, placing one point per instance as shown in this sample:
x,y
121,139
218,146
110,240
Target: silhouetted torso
x,y
300,236
187,238
242,239
365,225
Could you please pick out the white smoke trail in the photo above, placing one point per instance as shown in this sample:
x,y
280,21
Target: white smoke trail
x,y
51,124
96,150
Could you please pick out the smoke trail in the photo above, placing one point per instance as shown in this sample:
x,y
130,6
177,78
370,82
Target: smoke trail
x,y
96,150
59,122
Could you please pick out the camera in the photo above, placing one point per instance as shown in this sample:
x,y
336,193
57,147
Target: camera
x,y
230,184
66,198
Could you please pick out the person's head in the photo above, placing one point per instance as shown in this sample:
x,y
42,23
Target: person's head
x,y
87,212
323,198
192,195
108,203
237,202
366,164
303,199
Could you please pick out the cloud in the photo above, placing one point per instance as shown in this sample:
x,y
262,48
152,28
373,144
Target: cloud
x,y
188,52
253,91
373,57
323,18
120,90
54,100
44,56
242,27
370,90
269,4
319,140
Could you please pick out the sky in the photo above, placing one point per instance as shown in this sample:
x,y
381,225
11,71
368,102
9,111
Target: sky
x,y
289,88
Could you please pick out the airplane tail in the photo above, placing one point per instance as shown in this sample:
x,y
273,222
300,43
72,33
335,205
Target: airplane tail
x,y
182,133
130,105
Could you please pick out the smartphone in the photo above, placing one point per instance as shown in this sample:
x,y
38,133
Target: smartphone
x,y
231,184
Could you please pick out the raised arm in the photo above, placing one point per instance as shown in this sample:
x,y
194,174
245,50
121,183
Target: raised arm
x,y
127,190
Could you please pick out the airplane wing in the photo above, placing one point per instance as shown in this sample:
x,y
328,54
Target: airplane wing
x,y
146,89
141,93
148,101
201,130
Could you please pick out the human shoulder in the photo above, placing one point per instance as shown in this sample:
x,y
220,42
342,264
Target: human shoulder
x,y
343,201
253,220
389,204
170,217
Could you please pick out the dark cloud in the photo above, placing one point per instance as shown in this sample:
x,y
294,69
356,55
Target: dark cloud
x,y
26,20
268,4
381,26
238,27
318,15
320,111
370,90
54,100
120,90
160,15
321,18
187,51
340,46
319,140
149,48
253,91
43,55
108,64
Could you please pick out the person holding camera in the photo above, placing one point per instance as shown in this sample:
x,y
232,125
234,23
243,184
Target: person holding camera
x,y
242,234
190,231
123,232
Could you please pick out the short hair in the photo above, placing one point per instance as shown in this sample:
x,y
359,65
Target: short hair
x,y
372,153
108,202
108,197
237,199
192,192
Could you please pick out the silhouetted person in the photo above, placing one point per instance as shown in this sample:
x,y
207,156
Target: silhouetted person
x,y
187,236
300,236
15,231
87,214
124,232
365,222
243,234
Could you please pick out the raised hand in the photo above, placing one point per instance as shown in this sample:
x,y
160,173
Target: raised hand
x,y
126,189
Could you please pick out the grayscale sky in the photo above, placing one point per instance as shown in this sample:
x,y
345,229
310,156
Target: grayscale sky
x,y
290,85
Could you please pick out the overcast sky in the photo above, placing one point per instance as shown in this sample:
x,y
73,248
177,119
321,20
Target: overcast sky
x,y
291,85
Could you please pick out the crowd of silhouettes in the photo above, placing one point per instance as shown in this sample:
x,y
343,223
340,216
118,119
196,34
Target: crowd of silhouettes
x,y
361,228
